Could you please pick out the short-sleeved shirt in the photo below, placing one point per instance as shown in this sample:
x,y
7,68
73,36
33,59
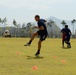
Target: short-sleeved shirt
x,y
63,30
67,31
43,20
41,23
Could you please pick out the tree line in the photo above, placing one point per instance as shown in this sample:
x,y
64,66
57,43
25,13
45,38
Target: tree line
x,y
29,26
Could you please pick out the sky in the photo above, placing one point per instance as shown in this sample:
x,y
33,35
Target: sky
x,y
25,10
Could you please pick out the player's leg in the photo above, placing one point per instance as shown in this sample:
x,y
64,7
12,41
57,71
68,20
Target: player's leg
x,y
32,38
67,41
42,38
69,44
63,39
62,43
39,47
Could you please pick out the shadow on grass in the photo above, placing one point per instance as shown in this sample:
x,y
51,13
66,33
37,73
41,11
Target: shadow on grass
x,y
65,48
36,57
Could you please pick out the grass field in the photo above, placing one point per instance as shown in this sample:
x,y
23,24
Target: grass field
x,y
15,59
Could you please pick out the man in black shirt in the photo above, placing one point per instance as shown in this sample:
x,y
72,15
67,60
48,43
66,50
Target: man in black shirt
x,y
42,32
67,33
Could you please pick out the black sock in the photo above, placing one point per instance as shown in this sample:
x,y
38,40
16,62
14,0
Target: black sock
x,y
30,42
38,51
68,43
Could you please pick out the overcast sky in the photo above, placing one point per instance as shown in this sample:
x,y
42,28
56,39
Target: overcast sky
x,y
24,10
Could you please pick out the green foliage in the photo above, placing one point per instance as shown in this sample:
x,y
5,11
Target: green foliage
x,y
73,21
0,20
14,22
63,22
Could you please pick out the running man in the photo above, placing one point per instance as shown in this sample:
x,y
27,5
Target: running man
x,y
42,32
67,32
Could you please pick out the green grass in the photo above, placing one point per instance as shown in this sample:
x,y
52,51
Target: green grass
x,y
12,63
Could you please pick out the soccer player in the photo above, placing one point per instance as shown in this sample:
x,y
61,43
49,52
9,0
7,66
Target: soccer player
x,y
67,32
42,32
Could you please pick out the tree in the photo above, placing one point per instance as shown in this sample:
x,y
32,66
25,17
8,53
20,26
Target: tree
x,y
63,23
14,22
4,22
50,23
29,28
0,20
73,23
23,25
15,25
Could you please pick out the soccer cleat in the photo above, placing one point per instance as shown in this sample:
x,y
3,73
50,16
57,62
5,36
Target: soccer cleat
x,y
27,44
37,53
69,46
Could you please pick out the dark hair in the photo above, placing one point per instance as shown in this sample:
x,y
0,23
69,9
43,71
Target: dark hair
x,y
66,26
37,16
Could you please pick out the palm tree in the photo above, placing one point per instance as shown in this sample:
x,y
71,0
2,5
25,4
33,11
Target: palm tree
x,y
63,23
4,21
15,25
30,30
14,22
73,23
23,29
18,29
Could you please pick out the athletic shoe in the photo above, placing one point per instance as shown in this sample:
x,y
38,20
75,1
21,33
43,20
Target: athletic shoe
x,y
69,46
27,44
37,53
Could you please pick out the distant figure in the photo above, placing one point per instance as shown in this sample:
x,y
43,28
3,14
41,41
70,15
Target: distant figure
x,y
7,33
42,32
66,36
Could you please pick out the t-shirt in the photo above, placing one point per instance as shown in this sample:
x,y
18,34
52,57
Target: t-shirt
x,y
43,20
67,31
41,23
63,30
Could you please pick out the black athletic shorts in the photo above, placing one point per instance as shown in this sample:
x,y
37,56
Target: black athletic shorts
x,y
67,38
42,34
